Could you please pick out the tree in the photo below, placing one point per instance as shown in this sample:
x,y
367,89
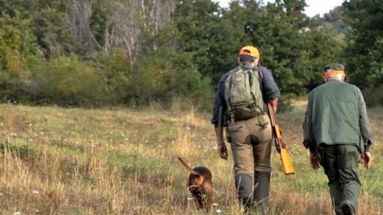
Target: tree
x,y
289,45
111,24
145,50
205,33
364,52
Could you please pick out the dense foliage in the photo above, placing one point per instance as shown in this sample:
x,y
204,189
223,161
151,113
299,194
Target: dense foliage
x,y
135,52
364,52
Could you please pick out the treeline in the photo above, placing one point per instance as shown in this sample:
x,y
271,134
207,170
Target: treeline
x,y
133,52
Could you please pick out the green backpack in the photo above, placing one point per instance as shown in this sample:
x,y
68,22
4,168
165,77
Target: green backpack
x,y
243,94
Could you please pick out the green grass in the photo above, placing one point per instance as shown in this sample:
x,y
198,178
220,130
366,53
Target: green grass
x,y
98,161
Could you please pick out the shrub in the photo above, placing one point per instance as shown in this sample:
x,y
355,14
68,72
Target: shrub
x,y
69,81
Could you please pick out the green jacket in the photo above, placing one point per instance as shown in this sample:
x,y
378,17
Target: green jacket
x,y
336,114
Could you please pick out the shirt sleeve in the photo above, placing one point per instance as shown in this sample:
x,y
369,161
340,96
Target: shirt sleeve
x,y
308,137
269,86
363,121
219,100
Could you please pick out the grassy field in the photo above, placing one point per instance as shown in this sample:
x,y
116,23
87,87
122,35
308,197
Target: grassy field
x,y
83,161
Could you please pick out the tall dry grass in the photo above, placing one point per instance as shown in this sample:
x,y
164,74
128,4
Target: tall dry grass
x,y
78,161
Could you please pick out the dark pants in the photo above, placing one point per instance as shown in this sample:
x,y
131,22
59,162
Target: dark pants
x,y
251,146
340,163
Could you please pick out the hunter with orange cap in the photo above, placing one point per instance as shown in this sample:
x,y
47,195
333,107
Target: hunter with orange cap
x,y
240,105
337,133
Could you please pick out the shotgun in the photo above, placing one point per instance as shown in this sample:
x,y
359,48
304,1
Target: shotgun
x,y
286,162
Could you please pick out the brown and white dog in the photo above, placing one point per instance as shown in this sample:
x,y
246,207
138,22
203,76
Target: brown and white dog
x,y
200,185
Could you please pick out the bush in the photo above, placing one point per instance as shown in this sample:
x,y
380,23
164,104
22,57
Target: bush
x,y
18,51
116,69
165,76
68,81
373,96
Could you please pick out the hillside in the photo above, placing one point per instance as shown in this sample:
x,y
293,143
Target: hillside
x,y
94,161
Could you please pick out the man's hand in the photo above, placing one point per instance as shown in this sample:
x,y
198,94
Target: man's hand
x,y
222,150
314,161
366,159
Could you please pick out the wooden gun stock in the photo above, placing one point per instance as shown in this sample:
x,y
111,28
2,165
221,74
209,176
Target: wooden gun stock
x,y
286,161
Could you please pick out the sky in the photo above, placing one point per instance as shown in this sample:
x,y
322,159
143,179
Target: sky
x,y
314,6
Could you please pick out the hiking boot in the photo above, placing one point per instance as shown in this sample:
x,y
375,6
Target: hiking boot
x,y
261,191
247,202
347,208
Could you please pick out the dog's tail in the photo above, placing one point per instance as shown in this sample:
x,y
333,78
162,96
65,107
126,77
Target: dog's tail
x,y
188,167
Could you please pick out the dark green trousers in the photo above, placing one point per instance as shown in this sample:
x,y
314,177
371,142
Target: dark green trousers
x,y
340,163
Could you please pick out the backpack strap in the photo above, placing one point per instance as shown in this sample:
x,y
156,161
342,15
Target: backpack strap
x,y
230,75
260,78
260,119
